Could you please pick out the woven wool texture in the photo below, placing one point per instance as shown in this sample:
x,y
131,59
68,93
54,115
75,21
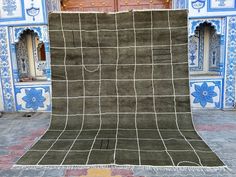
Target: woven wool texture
x,y
120,92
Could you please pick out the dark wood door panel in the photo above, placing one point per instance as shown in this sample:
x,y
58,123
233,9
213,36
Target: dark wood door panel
x,y
124,5
114,5
89,5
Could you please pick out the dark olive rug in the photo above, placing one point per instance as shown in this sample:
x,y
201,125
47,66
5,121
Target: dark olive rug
x,y
120,88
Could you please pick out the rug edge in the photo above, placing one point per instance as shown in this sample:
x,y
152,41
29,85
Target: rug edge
x,y
144,167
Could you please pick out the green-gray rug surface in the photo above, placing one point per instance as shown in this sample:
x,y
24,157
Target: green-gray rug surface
x,y
120,92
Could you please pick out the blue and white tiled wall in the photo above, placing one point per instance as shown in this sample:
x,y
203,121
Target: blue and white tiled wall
x,y
230,65
33,98
17,16
215,91
206,93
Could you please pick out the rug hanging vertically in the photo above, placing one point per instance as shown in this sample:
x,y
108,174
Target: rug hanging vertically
x,y
120,92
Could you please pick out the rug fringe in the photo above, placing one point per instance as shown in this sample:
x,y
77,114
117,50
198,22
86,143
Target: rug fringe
x,y
130,167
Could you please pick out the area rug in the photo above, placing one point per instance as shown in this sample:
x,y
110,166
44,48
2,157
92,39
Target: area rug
x,y
120,93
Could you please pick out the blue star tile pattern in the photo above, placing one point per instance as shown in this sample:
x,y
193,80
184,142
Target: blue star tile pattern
x,y
34,98
203,94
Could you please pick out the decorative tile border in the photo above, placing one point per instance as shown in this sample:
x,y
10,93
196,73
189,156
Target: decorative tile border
x,y
206,93
19,30
5,71
229,100
216,22
219,25
33,97
221,5
42,32
199,53
9,9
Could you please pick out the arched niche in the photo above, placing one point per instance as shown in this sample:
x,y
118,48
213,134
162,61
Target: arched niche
x,y
216,23
30,56
20,30
205,53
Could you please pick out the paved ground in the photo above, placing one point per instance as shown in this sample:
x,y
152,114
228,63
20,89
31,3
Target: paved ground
x,y
18,132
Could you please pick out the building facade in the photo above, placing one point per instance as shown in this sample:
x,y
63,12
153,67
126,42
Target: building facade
x,y
212,52
25,53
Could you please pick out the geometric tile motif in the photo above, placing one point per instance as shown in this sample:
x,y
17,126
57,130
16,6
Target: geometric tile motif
x,y
206,94
231,64
35,98
5,71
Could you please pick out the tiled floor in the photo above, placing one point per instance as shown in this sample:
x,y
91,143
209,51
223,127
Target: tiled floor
x,y
18,132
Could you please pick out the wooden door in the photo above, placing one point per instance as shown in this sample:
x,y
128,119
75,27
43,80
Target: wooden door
x,y
89,5
124,5
114,5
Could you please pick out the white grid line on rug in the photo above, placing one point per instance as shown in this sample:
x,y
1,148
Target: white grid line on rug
x,y
81,42
121,47
122,80
154,101
173,84
99,67
135,91
120,64
67,88
108,113
117,90
120,96
100,76
123,29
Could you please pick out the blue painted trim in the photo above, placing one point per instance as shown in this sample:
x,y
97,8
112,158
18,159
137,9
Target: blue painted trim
x,y
211,16
33,85
3,100
45,20
197,68
206,79
224,63
37,29
229,70
13,81
16,18
216,23
210,9
24,24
